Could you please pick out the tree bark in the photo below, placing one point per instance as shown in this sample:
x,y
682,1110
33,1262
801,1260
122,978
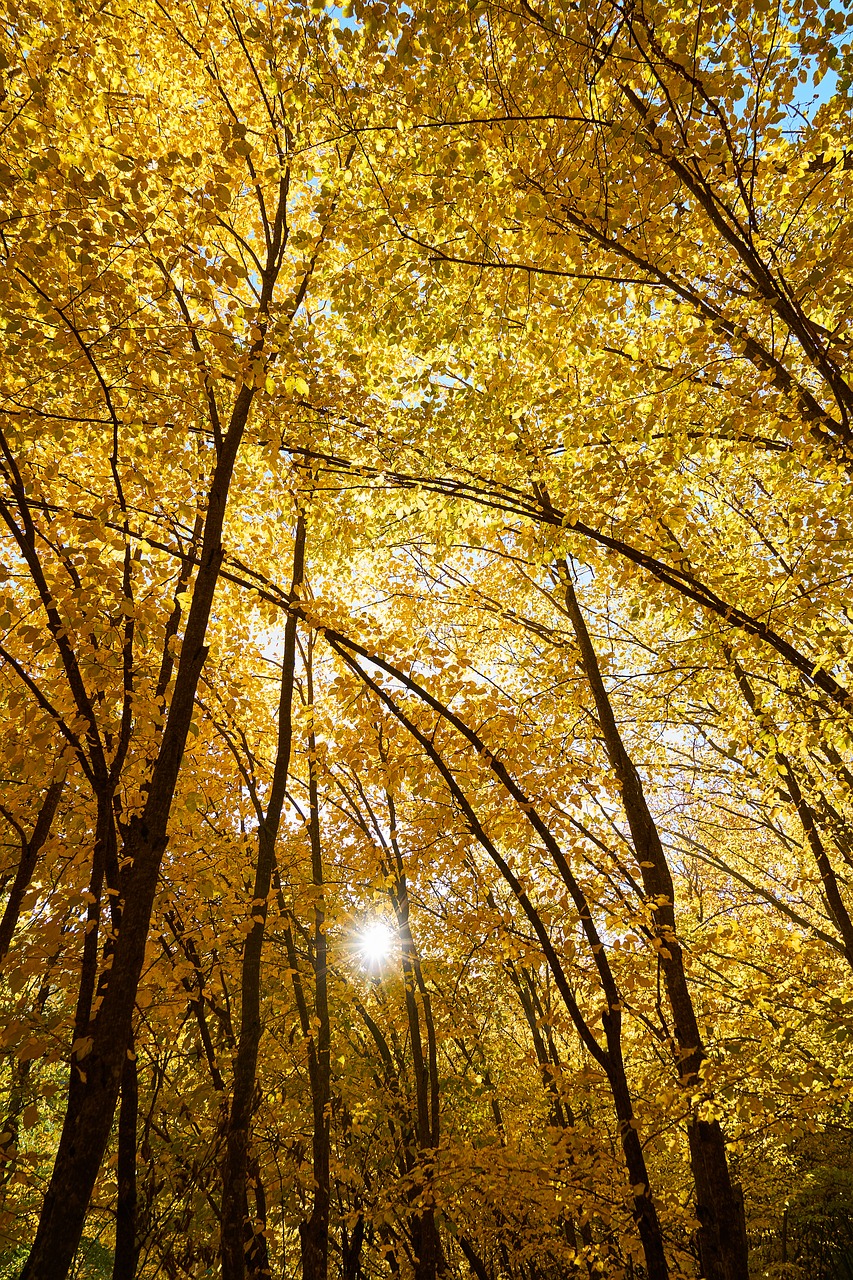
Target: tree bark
x,y
608,1058
351,1250
89,1116
30,849
719,1208
242,1248
10,1131
314,1234
808,818
127,1243
428,1249
475,1262
561,1115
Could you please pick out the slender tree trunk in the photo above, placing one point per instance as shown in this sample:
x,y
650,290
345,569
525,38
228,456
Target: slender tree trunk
x,y
313,1239
89,1116
719,1207
426,1239
10,1131
420,1130
426,1243
314,1234
103,858
610,1058
561,1116
127,1243
30,849
242,1248
351,1246
478,1267
808,819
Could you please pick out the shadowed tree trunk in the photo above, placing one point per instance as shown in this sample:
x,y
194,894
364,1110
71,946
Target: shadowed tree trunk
x,y
608,1057
31,846
426,1241
314,1233
838,912
561,1116
316,1031
351,1246
719,1205
421,1129
243,1249
89,1115
127,1243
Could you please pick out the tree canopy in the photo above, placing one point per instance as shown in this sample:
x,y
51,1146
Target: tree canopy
x,y
426,649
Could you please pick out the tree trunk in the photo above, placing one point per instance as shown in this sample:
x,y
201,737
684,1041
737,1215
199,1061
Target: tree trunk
x,y
722,1229
561,1116
30,849
127,1244
314,1234
609,1059
808,818
478,1267
426,1239
242,1248
89,1116
426,1243
351,1250
10,1131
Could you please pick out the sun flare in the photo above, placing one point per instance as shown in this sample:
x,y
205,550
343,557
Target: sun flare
x,y
375,942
